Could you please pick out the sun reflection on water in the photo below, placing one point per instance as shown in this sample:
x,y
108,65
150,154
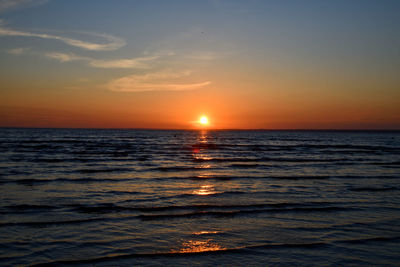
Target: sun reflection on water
x,y
202,158
205,190
205,166
203,136
205,233
205,175
193,246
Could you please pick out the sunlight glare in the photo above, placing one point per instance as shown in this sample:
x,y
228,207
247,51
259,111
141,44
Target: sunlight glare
x,y
203,120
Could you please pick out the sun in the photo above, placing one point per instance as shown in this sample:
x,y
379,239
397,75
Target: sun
x,y
203,120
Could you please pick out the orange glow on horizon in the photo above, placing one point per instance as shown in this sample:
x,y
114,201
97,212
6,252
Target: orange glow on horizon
x,y
42,107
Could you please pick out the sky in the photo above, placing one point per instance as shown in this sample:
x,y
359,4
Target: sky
x,y
249,64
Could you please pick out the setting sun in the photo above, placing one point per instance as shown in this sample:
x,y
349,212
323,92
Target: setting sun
x,y
203,120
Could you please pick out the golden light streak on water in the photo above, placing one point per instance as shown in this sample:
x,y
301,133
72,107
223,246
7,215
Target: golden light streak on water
x,y
205,190
196,246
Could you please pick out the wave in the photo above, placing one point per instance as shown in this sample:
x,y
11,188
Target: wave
x,y
97,156
178,168
36,146
197,208
393,164
37,181
49,160
124,147
34,181
102,208
397,163
271,159
358,147
174,253
370,239
239,212
105,170
372,189
111,207
210,146
28,207
59,141
239,165
99,151
286,177
50,223
214,194
147,217
299,145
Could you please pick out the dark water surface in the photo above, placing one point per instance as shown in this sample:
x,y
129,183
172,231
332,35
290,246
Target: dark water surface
x,y
142,197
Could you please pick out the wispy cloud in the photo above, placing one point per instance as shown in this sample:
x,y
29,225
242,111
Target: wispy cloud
x,y
63,57
12,4
138,63
156,81
17,51
112,43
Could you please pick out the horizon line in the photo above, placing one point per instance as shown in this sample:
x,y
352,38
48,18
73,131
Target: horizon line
x,y
209,129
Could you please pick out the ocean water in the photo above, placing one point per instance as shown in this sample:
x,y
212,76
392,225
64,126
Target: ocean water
x,y
199,198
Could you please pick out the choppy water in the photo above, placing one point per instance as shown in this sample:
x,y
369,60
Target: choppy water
x,y
138,197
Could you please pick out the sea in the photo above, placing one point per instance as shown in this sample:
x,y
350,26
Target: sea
x,y
105,197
